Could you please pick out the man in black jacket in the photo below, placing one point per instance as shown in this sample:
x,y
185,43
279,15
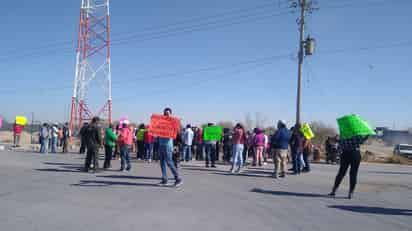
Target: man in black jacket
x,y
93,140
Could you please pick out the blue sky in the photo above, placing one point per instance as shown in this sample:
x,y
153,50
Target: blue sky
x,y
37,60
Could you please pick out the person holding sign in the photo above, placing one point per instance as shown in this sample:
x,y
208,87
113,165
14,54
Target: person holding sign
x,y
160,126
354,132
211,135
17,130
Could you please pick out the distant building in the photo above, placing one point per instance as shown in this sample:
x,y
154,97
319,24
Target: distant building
x,y
392,137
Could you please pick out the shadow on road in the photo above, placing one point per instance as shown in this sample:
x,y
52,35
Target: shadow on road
x,y
294,194
391,173
60,164
226,173
373,210
133,177
103,183
212,170
58,170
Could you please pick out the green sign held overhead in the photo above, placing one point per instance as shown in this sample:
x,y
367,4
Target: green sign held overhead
x,y
212,133
353,125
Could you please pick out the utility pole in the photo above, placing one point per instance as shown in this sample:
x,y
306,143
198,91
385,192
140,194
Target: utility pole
x,y
306,47
31,129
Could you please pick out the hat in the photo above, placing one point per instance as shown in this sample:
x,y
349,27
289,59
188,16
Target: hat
x,y
126,122
282,122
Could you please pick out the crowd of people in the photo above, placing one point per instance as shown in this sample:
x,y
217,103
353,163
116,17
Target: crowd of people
x,y
286,145
53,136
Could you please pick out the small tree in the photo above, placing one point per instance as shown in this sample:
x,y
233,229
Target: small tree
x,y
321,131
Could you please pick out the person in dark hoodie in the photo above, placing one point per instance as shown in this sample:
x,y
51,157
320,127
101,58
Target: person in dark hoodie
x,y
93,141
296,145
350,157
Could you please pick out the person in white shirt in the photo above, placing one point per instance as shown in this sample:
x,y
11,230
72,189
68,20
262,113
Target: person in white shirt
x,y
187,143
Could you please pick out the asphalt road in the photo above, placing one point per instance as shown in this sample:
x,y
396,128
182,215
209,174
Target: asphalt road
x,y
49,193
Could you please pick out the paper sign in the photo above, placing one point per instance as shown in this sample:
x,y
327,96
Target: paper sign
x,y
353,125
21,120
212,133
307,131
164,126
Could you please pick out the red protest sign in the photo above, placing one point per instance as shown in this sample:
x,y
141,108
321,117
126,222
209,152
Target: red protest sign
x,y
164,126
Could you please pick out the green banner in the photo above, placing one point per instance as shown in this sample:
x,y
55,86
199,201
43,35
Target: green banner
x,y
353,125
212,133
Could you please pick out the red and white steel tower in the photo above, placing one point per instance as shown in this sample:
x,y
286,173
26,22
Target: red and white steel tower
x,y
92,80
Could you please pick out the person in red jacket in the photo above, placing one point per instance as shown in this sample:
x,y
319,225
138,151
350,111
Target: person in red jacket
x,y
148,145
17,130
125,141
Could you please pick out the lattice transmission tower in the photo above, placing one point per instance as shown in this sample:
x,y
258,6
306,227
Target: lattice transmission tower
x,y
92,90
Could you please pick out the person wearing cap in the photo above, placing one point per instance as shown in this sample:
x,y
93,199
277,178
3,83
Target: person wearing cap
x,y
280,143
93,141
166,156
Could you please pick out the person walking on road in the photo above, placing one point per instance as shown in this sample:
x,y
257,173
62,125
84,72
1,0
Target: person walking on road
x,y
165,154
350,157
125,141
280,144
239,140
110,139
93,141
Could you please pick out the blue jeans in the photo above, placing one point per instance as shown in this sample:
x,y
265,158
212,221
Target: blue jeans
x,y
124,155
187,152
148,151
238,155
44,145
297,161
54,145
165,154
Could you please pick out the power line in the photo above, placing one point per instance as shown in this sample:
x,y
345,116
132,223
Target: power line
x,y
154,28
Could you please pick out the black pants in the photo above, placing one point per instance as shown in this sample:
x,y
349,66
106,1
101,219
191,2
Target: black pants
x,y
108,156
65,143
92,155
227,152
352,159
140,149
82,146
